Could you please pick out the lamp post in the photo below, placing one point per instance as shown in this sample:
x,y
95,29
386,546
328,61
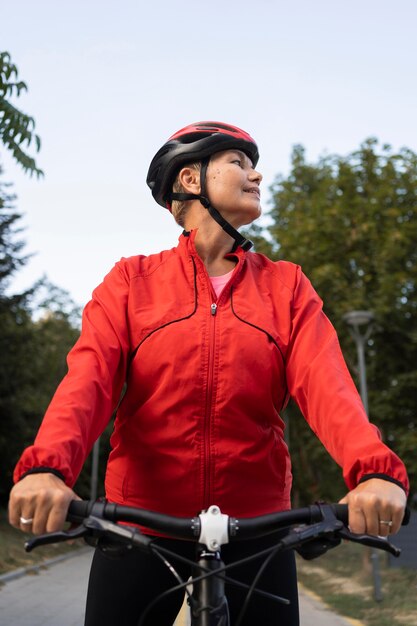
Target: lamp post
x,y
356,320
360,328
94,469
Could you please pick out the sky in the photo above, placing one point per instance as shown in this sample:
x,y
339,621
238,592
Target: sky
x,y
109,82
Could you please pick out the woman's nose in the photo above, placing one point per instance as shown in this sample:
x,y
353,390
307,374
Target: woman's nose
x,y
256,176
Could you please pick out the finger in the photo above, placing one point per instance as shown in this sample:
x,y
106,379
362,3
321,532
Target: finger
x,y
59,511
372,513
397,513
385,519
14,509
357,520
41,512
390,518
57,517
14,512
26,521
50,510
384,527
20,512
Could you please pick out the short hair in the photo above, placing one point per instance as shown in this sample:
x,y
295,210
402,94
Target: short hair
x,y
179,207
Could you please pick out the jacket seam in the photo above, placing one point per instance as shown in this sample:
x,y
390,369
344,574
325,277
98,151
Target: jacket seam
x,y
128,263
180,319
272,268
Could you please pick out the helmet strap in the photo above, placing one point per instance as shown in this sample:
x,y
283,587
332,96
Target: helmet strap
x,y
240,240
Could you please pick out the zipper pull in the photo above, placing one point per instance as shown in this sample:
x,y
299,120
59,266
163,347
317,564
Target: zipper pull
x,y
213,308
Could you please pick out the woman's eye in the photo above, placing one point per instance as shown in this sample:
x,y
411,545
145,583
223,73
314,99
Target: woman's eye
x,y
238,161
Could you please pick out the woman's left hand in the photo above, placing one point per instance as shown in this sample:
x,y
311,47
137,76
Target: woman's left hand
x,y
376,507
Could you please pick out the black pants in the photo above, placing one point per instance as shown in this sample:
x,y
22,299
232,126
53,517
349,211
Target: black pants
x,y
121,588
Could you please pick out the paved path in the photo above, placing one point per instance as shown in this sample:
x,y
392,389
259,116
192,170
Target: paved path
x,y
55,596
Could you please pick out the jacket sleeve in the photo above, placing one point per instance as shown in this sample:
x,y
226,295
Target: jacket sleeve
x,y
319,381
89,393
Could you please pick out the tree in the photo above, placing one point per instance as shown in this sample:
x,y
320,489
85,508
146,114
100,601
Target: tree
x,y
351,223
11,258
37,327
33,345
17,130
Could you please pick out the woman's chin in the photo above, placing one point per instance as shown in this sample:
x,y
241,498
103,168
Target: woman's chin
x,y
253,215
243,217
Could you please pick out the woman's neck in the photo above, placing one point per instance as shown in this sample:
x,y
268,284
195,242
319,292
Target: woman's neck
x,y
212,244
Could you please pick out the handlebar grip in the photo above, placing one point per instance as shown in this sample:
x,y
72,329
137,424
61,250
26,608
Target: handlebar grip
x,y
341,512
78,510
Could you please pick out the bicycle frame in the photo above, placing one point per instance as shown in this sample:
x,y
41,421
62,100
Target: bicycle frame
x,y
209,592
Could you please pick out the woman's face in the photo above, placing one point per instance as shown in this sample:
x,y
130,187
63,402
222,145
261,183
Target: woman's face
x,y
233,187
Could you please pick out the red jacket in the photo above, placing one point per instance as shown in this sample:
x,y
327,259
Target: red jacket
x,y
200,421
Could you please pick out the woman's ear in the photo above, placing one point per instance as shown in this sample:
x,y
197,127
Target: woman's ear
x,y
189,179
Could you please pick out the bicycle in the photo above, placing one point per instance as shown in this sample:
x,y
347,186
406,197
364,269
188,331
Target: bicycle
x,y
311,531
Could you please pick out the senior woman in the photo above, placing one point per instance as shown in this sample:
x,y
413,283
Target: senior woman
x,y
211,340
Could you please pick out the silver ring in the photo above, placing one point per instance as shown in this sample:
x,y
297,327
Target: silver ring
x,y
26,520
381,521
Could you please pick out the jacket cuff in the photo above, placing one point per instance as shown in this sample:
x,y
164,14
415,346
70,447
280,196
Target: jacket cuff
x,y
43,470
383,477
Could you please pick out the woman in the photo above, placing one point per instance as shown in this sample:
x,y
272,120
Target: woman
x,y
211,340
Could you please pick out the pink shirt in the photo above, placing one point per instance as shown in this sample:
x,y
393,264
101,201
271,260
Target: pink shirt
x,y
219,282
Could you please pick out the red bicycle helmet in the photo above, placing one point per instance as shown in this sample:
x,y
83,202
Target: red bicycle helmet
x,y
196,142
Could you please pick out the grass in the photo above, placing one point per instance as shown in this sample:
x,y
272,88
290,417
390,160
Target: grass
x,y
343,579
12,552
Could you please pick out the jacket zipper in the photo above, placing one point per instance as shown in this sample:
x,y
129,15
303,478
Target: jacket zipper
x,y
207,460
209,406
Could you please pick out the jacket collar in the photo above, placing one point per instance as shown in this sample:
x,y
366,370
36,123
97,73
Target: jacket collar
x,y
187,241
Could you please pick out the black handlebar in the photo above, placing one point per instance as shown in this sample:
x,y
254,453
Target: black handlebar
x,y
266,524
189,528
319,525
183,528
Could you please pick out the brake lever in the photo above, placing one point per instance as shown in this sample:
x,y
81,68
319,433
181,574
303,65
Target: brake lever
x,y
129,535
369,540
56,537
327,530
92,527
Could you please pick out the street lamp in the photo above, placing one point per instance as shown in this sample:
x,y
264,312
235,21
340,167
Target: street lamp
x,y
94,469
357,321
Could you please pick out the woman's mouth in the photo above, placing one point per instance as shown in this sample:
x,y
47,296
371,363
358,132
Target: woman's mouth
x,y
255,190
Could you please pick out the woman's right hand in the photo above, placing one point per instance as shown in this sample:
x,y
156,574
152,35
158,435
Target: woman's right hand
x,y
39,503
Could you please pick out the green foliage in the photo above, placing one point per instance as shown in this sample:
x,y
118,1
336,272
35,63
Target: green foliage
x,y
37,328
32,363
351,224
17,130
10,248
